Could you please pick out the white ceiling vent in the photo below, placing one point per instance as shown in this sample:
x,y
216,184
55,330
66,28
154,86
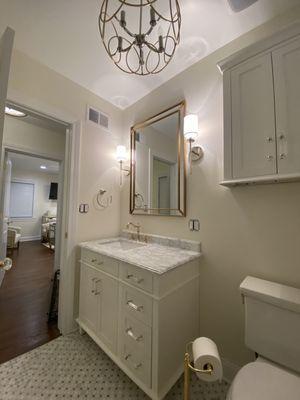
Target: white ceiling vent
x,y
98,117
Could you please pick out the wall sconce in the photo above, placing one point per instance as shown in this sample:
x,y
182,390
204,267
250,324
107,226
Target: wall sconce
x,y
190,130
121,155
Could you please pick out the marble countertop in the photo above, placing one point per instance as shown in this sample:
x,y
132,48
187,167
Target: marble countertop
x,y
151,256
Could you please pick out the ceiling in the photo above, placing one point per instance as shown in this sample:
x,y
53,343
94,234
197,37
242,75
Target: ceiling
x,y
63,34
32,164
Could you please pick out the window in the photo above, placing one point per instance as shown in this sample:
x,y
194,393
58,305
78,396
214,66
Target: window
x,y
21,200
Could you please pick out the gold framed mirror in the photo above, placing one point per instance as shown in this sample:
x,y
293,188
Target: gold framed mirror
x,y
158,164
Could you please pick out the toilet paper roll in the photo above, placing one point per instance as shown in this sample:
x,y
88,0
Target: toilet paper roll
x,y
205,352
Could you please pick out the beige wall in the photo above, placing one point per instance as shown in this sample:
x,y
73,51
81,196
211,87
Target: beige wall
x,y
31,227
245,230
33,139
44,90
41,88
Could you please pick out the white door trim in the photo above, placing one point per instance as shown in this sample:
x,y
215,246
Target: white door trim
x,y
66,318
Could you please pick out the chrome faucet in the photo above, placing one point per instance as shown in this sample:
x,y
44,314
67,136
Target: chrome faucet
x,y
137,227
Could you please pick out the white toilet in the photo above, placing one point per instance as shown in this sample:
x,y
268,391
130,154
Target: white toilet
x,y
272,330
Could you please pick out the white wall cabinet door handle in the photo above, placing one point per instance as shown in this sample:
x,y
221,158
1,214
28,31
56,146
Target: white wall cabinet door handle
x,y
133,336
131,304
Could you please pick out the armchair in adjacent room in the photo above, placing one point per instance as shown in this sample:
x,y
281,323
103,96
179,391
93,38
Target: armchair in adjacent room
x,y
13,237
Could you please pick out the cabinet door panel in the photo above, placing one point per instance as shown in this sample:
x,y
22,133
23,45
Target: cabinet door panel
x,y
253,119
286,64
107,290
88,301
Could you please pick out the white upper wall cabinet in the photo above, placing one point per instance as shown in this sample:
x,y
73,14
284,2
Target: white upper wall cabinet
x,y
253,119
262,111
286,67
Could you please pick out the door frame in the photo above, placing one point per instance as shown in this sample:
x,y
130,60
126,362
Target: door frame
x,y
68,240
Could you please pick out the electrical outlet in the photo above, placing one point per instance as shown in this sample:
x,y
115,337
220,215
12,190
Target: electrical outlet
x,y
194,225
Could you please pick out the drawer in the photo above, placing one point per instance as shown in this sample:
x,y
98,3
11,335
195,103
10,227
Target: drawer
x,y
136,304
135,334
140,366
101,262
136,276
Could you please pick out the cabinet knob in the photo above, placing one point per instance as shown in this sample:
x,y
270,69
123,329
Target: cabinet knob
x,y
131,304
270,158
133,336
281,156
134,278
281,136
269,139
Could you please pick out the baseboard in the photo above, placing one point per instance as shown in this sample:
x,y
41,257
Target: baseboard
x,y
229,370
30,238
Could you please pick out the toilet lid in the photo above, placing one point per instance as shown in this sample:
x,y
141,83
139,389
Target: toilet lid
x,y
263,380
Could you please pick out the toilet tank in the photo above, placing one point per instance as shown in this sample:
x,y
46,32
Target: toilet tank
x,y
272,321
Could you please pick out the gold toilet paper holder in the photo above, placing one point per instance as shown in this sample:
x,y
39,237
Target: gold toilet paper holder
x,y
207,369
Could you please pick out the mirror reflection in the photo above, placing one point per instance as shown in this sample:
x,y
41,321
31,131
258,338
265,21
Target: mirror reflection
x,y
158,165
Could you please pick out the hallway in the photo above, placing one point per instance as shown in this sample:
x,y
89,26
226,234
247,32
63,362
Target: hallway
x,y
24,301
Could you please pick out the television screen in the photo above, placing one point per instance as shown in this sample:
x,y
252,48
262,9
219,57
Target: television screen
x,y
53,191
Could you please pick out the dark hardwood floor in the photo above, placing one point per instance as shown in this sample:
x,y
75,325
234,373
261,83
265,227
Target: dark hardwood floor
x,y
24,301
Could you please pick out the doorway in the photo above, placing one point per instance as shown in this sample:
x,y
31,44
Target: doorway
x,y
33,209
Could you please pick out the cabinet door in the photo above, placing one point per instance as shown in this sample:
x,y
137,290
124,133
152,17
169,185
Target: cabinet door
x,y
88,300
286,65
253,119
107,291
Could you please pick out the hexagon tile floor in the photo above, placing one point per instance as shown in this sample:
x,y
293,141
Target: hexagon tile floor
x,y
74,367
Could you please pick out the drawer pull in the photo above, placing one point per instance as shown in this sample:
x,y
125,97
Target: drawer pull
x,y
132,335
94,260
134,278
96,292
135,366
131,304
93,280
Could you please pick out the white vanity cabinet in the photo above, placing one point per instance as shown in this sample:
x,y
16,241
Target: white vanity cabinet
x,y
261,111
98,307
141,319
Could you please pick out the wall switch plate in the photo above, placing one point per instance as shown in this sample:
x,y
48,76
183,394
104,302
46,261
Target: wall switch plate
x,y
194,225
83,208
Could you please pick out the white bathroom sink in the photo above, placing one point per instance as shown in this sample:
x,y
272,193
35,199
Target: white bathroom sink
x,y
122,245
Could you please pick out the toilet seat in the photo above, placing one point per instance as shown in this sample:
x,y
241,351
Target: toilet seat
x,y
264,380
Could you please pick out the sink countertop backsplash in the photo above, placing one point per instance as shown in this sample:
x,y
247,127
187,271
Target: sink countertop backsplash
x,y
159,255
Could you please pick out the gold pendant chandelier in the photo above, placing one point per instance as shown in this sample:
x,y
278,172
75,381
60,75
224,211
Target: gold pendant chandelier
x,y
140,36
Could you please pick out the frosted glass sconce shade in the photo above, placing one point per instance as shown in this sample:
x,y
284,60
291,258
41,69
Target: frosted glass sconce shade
x,y
121,156
121,153
191,126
